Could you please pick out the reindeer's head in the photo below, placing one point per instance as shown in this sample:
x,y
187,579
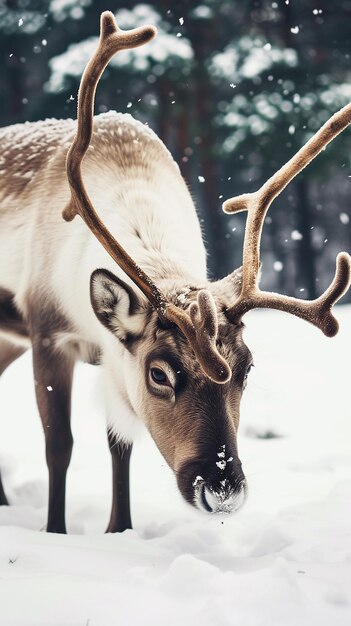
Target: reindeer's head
x,y
192,418
189,350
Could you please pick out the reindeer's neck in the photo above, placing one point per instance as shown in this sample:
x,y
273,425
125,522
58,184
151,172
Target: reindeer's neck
x,y
142,198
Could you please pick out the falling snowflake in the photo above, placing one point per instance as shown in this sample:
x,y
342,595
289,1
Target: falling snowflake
x,y
344,218
296,235
201,179
278,266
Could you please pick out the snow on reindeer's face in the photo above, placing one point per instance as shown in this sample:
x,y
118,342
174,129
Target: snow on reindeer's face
x,y
192,420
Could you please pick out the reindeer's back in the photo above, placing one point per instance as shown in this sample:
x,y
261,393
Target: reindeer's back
x,y
130,177
29,149
26,149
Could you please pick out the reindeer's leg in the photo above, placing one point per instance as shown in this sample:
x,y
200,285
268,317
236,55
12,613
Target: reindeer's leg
x,y
120,514
10,321
53,373
8,353
3,499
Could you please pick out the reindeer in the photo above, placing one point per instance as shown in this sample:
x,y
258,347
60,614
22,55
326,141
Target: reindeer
x,y
169,341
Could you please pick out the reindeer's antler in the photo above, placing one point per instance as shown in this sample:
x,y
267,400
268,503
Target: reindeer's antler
x,y
318,311
201,326
112,39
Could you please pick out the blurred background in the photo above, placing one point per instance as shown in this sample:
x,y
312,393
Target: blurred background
x,y
233,88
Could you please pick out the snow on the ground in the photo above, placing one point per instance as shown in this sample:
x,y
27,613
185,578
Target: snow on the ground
x,y
284,560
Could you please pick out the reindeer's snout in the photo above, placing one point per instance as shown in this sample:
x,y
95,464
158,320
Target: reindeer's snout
x,y
216,486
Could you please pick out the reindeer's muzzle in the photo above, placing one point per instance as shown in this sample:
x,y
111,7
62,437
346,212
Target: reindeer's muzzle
x,y
215,487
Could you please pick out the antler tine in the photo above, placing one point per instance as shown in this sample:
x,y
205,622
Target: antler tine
x,y
203,313
200,327
318,311
112,39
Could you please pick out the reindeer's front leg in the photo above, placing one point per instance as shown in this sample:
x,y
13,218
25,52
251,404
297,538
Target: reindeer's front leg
x,y
120,514
53,372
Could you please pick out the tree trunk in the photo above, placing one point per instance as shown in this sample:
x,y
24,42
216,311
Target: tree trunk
x,y
203,37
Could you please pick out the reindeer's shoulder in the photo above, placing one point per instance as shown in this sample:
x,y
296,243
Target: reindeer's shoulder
x,y
123,124
129,138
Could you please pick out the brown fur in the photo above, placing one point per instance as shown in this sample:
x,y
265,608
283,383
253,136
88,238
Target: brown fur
x,y
12,324
203,413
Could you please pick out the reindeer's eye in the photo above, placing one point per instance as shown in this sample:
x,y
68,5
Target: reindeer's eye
x,y
158,376
247,373
249,368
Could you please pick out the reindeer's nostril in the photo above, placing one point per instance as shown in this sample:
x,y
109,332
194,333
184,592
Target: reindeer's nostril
x,y
203,499
225,500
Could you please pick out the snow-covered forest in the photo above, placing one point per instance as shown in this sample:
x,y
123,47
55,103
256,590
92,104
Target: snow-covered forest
x,y
233,89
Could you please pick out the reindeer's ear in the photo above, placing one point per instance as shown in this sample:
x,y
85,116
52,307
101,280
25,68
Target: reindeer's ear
x,y
116,305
